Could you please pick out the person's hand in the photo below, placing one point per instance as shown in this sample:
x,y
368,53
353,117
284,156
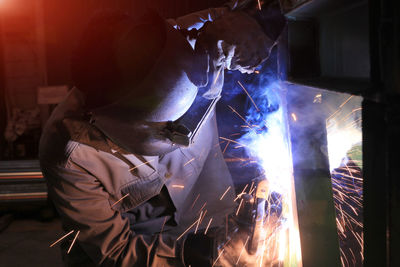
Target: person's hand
x,y
232,246
235,41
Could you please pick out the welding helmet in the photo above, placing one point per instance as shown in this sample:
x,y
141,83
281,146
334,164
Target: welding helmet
x,y
140,76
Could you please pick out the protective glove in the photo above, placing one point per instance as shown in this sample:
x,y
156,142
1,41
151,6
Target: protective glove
x,y
229,245
235,41
221,246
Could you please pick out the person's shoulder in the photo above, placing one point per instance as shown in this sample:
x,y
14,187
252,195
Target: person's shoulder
x,y
62,131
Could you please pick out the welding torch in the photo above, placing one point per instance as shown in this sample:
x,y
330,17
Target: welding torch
x,y
252,214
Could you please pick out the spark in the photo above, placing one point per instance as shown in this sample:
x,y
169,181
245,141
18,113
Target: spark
x,y
216,77
294,117
204,215
188,162
344,103
344,186
247,93
349,114
237,159
194,202
73,242
233,141
353,123
198,222
219,255
61,238
240,205
244,189
226,146
208,225
241,252
317,98
241,193
263,249
178,186
144,163
202,207
251,186
334,113
187,229
119,200
240,116
226,191
259,4
269,146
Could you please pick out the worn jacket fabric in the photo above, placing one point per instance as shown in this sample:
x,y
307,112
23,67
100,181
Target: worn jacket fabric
x,y
130,209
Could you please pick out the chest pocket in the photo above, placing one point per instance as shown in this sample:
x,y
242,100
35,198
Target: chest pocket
x,y
144,182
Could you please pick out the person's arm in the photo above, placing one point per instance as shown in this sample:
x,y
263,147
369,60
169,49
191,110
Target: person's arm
x,y
104,235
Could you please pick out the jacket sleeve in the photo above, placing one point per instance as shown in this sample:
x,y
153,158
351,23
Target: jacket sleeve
x,y
105,237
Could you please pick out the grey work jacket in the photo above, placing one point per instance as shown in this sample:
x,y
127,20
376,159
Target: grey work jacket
x,y
88,175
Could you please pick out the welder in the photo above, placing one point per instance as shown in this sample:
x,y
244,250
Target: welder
x,y
114,170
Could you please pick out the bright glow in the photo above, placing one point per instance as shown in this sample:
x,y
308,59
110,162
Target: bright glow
x,y
272,151
344,131
345,159
340,141
294,117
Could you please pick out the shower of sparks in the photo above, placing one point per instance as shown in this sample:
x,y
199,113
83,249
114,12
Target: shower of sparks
x,y
269,148
339,109
73,242
247,93
61,238
345,160
144,163
240,116
226,191
119,200
188,162
233,141
347,194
